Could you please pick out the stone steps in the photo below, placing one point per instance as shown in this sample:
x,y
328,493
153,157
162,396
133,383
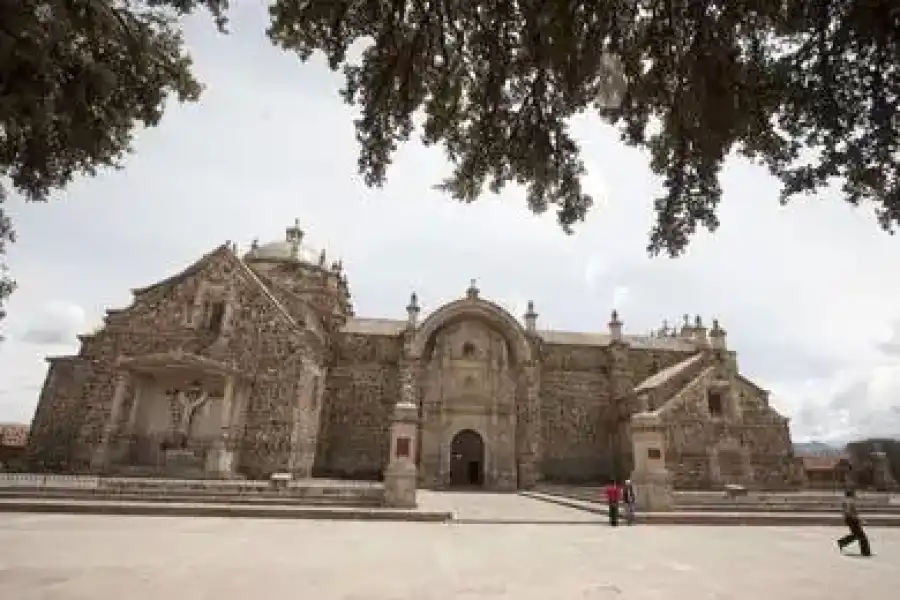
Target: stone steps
x,y
759,502
725,518
189,496
135,489
782,507
195,509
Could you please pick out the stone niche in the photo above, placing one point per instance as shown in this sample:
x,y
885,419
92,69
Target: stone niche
x,y
469,384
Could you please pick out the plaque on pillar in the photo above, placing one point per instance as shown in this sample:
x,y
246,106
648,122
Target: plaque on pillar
x,y
654,453
403,447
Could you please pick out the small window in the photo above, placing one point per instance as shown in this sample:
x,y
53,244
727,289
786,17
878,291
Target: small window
x,y
468,350
714,403
215,316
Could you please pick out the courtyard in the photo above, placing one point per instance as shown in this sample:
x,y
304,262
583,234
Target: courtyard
x,y
550,552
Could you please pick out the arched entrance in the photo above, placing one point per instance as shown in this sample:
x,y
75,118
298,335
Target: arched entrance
x,y
467,459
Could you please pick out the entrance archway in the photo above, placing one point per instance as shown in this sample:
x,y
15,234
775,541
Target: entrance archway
x,y
467,459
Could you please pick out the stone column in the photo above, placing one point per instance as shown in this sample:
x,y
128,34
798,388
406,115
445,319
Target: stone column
x,y
220,461
135,406
400,474
651,479
100,461
528,430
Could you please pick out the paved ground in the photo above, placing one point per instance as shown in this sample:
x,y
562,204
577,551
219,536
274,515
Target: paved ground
x,y
52,557
471,506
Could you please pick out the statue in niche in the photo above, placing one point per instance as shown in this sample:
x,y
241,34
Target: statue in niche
x,y
184,405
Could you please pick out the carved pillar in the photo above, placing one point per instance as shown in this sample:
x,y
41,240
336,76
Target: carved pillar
x,y
651,479
100,461
221,459
528,427
135,406
714,468
400,475
427,447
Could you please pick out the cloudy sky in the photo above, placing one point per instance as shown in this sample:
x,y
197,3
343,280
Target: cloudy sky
x,y
808,293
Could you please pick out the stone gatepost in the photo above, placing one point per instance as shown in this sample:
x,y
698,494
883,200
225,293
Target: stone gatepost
x,y
400,475
651,480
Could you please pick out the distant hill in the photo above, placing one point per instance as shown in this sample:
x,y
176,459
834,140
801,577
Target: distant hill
x,y
817,449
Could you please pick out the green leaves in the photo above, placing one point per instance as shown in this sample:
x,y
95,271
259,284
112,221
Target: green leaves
x,y
496,84
76,78
810,89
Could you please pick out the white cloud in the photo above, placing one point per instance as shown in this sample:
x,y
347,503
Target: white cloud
x,y
802,290
55,323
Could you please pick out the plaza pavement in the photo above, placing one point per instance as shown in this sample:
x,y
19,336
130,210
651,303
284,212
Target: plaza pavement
x,y
70,557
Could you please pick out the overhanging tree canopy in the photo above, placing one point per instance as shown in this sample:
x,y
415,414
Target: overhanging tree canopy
x,y
810,89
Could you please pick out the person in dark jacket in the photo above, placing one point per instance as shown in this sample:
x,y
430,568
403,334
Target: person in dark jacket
x,y
854,523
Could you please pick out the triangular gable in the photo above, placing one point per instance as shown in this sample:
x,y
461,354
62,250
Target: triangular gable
x,y
191,269
224,251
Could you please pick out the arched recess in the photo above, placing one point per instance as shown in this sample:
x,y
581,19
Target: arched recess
x,y
499,318
467,459
506,413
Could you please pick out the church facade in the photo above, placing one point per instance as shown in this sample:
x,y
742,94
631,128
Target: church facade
x,y
244,366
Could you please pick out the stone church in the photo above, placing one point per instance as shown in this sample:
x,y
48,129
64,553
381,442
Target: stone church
x,y
244,366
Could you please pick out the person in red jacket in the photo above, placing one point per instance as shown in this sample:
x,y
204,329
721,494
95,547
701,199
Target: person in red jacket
x,y
613,497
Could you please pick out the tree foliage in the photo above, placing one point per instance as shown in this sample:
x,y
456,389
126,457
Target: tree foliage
x,y
76,79
809,89
496,84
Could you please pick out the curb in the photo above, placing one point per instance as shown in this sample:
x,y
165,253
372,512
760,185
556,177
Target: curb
x,y
724,518
228,511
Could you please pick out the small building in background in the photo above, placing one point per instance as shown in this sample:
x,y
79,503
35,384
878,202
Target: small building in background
x,y
13,439
826,472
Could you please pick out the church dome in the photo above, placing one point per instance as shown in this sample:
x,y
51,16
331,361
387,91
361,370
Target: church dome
x,y
290,249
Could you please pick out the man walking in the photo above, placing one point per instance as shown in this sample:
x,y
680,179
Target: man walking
x,y
854,523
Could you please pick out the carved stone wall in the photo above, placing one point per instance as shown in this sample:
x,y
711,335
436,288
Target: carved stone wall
x,y
256,339
55,429
575,404
469,382
360,392
748,444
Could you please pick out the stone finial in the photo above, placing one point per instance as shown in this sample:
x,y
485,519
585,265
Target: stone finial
x,y
717,336
615,327
473,291
294,234
530,318
322,259
254,245
700,332
412,311
664,330
686,329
